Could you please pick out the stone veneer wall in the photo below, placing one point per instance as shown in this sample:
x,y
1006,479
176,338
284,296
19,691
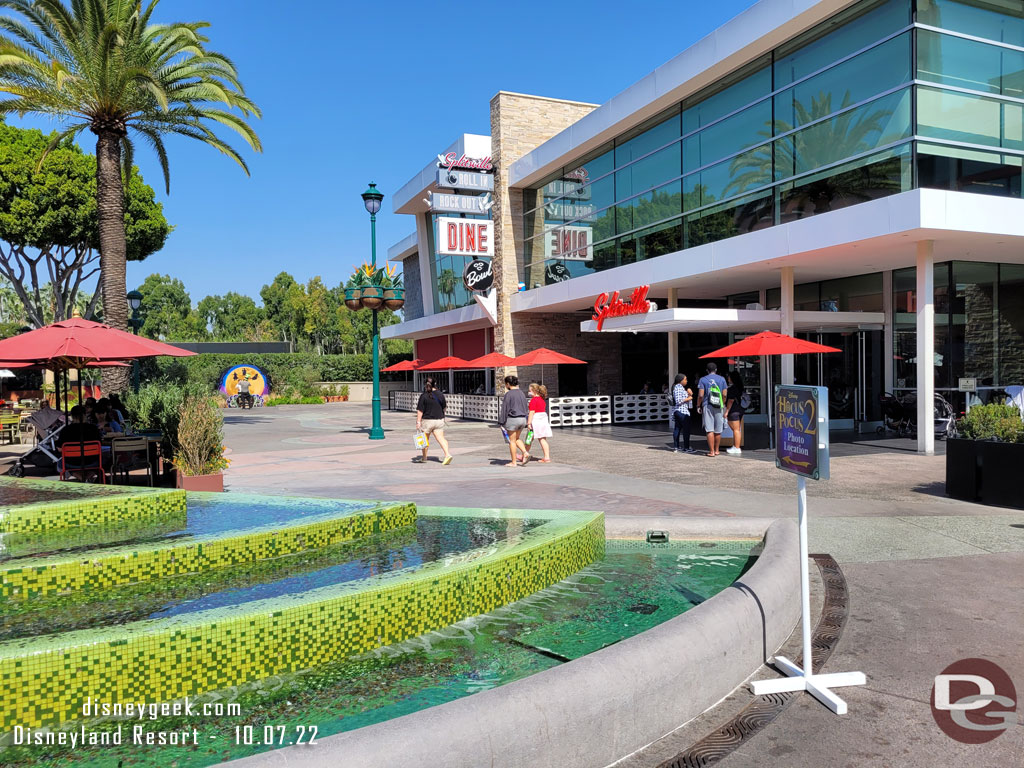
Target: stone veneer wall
x,y
413,308
520,123
561,332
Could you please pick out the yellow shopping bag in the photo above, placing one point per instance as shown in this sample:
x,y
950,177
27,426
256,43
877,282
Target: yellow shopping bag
x,y
421,439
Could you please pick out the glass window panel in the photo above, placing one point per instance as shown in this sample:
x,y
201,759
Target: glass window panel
x,y
1000,20
729,136
656,205
879,69
648,173
869,178
736,217
752,84
973,321
875,124
1011,324
656,241
968,170
648,140
862,293
971,119
591,167
838,37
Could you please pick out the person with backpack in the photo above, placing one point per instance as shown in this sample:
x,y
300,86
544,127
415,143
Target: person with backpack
x,y
737,400
680,398
430,419
710,404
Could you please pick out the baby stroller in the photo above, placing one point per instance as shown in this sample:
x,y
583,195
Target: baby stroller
x,y
945,418
896,416
45,454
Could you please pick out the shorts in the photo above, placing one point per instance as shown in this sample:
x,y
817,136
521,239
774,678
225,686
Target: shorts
x,y
711,419
429,425
515,423
735,416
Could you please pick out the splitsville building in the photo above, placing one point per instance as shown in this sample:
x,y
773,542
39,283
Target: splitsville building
x,y
847,172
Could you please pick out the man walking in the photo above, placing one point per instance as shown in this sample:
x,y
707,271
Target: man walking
x,y
710,401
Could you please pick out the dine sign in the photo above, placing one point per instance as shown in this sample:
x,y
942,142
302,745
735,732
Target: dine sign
x,y
801,430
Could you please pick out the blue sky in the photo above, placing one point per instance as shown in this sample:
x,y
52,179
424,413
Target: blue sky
x,y
355,92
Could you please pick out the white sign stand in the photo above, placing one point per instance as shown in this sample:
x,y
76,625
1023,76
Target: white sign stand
x,y
804,679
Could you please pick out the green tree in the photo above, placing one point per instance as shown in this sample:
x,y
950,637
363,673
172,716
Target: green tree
x,y
165,308
102,65
446,282
48,224
277,306
231,317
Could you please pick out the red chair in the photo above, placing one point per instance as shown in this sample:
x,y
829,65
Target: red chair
x,y
89,457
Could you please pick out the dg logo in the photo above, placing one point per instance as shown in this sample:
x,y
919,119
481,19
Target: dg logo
x,y
974,701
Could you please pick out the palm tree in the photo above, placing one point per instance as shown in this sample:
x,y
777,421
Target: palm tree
x,y
103,65
446,287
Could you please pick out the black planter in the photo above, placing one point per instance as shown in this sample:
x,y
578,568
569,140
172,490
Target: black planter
x,y
980,470
962,469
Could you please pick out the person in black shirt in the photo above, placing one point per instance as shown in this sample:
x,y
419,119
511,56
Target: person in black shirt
x,y
734,412
78,430
430,419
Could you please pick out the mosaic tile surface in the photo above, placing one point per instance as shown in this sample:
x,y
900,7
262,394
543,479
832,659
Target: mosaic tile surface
x,y
46,680
38,576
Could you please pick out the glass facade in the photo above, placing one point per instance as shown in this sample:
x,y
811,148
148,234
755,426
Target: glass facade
x,y
446,270
883,96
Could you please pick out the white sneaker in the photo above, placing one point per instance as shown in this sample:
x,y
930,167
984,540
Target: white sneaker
x,y
734,451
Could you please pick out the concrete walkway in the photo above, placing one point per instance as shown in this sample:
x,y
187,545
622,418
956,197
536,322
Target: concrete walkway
x,y
931,580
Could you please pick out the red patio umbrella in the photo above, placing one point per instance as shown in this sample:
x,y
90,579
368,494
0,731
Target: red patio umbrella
x,y
404,365
544,356
769,343
492,360
446,363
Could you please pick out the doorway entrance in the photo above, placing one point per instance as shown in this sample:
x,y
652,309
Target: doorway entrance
x,y
854,375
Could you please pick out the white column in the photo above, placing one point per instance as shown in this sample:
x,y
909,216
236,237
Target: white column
x,y
925,346
888,332
786,305
673,339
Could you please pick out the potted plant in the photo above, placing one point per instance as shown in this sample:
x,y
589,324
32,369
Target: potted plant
x,y
373,289
199,454
353,290
394,291
981,464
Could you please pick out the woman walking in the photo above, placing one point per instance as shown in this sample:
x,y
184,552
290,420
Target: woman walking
x,y
514,410
538,421
734,412
681,399
430,419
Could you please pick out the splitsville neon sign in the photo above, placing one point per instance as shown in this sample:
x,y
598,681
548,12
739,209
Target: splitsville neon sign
x,y
452,161
613,306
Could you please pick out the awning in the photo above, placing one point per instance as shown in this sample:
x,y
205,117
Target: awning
x,y
723,320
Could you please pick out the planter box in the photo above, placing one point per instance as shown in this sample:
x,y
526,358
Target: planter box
x,y
214,483
980,470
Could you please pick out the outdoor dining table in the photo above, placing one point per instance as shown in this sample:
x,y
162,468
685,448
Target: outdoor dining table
x,y
155,441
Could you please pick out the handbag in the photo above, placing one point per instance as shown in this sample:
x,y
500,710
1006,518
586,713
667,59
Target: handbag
x,y
421,439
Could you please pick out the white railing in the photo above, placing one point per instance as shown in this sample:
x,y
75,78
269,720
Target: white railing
x,y
478,407
579,411
637,408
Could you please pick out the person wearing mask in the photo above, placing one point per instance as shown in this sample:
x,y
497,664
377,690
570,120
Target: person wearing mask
x,y
710,404
430,419
514,412
538,421
734,412
682,397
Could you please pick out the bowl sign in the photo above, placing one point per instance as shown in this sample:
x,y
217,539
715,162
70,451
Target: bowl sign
x,y
478,276
801,430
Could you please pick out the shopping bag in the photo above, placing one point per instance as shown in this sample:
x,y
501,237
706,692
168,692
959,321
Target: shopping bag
x,y
504,434
421,439
528,440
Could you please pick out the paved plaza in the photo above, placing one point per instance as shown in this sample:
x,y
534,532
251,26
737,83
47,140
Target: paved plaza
x,y
931,580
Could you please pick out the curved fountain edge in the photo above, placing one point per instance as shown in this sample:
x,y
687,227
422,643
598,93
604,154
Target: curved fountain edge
x,y
602,707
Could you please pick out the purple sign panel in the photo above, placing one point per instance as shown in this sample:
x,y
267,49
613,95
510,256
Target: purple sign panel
x,y
801,430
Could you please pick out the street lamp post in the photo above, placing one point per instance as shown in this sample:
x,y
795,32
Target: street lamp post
x,y
371,199
134,302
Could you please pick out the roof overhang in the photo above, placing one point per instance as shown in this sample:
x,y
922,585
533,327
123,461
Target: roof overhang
x,y
722,320
410,198
404,248
453,321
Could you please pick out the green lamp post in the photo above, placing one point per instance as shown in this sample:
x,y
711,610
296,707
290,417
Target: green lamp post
x,y
371,199
134,302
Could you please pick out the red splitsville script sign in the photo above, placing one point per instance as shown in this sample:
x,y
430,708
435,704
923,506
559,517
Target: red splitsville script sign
x,y
613,306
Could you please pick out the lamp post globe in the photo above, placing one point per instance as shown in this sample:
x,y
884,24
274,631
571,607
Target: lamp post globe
x,y
372,198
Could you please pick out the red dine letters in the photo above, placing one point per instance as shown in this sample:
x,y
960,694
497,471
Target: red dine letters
x,y
469,237
616,307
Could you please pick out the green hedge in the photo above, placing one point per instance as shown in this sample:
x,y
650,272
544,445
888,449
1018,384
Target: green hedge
x,y
296,371
993,422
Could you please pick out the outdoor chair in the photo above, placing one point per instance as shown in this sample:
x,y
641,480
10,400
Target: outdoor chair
x,y
86,457
128,453
10,428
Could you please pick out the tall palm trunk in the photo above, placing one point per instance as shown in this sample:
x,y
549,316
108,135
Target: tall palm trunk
x,y
113,245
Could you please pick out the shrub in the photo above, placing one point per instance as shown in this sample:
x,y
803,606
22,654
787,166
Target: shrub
x,y
200,437
993,422
294,400
157,407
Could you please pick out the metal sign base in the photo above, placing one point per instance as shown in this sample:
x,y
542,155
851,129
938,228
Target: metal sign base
x,y
804,679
